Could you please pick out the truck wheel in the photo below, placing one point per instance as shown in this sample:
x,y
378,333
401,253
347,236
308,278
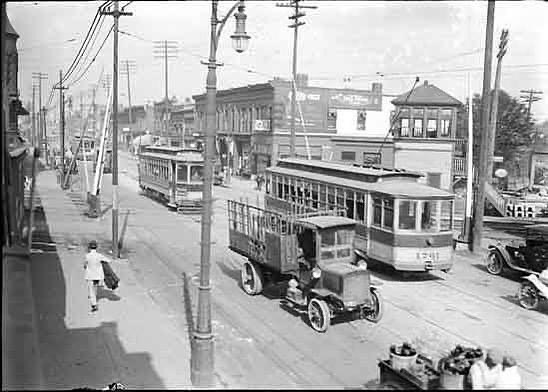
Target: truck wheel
x,y
494,263
251,278
319,315
528,296
374,314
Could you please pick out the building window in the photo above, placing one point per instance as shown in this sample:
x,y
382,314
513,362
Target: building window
x,y
417,127
432,130
445,127
348,155
371,158
361,120
404,130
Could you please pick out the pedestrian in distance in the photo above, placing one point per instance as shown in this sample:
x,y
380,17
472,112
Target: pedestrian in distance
x,y
94,274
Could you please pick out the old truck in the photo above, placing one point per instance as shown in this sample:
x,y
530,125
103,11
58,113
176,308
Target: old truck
x,y
312,255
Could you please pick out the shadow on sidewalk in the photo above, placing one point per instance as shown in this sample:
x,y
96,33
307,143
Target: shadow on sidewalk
x,y
79,357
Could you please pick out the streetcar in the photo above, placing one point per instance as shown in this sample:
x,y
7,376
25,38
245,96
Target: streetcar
x,y
174,175
85,147
401,222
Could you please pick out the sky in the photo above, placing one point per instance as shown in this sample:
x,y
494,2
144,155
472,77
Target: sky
x,y
367,41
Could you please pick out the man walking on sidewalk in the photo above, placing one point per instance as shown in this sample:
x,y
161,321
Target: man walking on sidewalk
x,y
94,272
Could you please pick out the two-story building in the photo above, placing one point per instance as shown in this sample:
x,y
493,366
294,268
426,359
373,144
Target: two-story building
x,y
253,122
181,124
416,131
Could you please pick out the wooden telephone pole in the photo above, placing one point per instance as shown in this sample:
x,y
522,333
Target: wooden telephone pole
x,y
129,67
295,26
116,14
165,50
62,125
479,205
494,105
530,96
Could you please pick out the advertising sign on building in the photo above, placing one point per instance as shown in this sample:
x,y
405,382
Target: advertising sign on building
x,y
355,100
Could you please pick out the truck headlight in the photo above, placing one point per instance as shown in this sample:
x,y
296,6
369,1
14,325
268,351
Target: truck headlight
x,y
316,273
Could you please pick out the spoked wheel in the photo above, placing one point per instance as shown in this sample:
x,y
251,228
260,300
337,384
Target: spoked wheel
x,y
374,314
251,278
528,296
319,315
494,263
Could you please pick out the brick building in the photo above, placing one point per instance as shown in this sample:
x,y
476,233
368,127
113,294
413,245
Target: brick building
x,y
253,122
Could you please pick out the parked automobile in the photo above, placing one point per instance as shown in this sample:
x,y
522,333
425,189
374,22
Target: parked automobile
x,y
533,289
529,256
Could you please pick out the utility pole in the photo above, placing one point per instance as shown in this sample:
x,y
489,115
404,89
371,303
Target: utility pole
x,y
166,50
295,26
62,124
530,96
469,168
43,139
494,106
130,65
116,14
483,143
33,115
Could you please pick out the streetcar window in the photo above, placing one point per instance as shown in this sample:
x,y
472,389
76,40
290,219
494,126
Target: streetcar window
x,y
360,213
350,204
446,221
377,211
388,221
280,186
429,216
408,211
182,173
196,173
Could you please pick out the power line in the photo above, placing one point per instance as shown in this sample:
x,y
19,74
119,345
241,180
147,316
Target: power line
x,y
92,44
84,45
94,57
86,41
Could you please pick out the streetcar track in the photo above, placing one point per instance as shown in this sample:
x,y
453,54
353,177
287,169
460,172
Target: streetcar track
x,y
263,347
219,208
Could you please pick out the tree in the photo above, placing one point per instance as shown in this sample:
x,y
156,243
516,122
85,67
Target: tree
x,y
515,133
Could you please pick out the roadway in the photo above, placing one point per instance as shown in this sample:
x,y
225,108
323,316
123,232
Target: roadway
x,y
261,343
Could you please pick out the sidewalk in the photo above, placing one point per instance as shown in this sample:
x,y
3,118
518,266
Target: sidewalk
x,y
129,339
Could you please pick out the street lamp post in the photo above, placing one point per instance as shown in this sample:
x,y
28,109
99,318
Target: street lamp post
x,y
202,356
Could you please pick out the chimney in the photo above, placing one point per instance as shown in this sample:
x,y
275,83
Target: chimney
x,y
376,87
426,82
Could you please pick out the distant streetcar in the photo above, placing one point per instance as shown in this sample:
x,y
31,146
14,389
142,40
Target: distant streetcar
x,y
400,222
174,175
